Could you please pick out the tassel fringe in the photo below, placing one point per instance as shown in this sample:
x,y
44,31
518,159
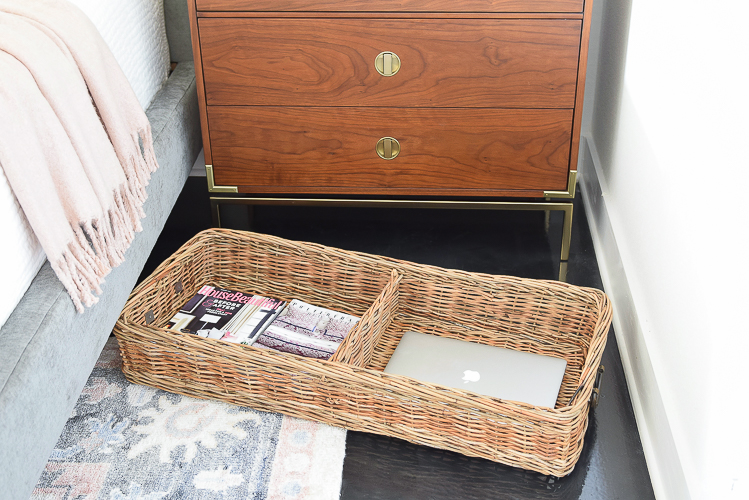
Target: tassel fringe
x,y
100,244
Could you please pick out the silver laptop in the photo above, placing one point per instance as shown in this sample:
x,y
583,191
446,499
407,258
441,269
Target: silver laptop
x,y
488,370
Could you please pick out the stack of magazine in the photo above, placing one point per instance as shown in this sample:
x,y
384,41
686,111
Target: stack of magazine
x,y
267,323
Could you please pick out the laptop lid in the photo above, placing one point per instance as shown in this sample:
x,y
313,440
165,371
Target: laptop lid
x,y
488,370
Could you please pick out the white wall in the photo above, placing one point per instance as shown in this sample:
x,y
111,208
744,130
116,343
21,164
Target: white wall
x,y
664,173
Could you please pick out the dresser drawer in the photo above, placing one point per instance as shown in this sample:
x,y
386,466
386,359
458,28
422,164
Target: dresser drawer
x,y
522,63
442,151
393,5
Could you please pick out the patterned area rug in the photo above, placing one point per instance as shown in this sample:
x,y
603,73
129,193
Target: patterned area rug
x,y
132,442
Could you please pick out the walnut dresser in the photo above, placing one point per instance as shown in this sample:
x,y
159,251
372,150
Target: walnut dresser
x,y
401,101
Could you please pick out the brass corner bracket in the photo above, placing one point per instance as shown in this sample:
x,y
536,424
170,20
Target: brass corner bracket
x,y
570,193
212,187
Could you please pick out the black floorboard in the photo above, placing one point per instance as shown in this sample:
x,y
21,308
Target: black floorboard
x,y
612,465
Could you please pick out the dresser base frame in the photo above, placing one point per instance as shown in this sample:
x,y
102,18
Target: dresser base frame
x,y
562,206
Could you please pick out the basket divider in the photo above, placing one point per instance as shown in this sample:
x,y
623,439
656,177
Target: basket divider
x,y
359,345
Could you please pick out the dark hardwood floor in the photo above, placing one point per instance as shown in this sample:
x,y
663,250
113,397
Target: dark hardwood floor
x,y
612,465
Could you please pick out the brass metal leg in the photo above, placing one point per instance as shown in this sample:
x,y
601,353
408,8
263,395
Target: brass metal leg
x,y
566,242
548,206
215,212
251,216
567,232
563,271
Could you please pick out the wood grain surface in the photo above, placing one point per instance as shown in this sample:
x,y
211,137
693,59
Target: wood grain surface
x,y
197,57
444,63
395,5
451,151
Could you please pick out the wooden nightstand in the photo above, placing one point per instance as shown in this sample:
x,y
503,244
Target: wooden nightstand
x,y
409,100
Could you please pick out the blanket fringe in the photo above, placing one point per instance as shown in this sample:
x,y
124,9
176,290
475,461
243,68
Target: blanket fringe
x,y
100,244
78,276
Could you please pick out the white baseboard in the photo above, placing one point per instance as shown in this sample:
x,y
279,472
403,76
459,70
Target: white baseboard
x,y
664,465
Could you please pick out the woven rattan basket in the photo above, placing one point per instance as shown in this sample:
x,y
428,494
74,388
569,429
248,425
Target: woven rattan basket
x,y
350,390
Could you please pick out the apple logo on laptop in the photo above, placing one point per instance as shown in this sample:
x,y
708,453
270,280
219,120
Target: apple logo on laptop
x,y
470,376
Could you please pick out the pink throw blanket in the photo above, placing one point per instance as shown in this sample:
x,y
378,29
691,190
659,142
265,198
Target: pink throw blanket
x,y
75,144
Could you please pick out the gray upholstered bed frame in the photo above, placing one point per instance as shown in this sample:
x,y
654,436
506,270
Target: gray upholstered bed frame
x,y
47,350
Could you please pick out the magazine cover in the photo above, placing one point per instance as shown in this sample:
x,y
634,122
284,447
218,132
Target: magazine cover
x,y
252,320
307,330
217,313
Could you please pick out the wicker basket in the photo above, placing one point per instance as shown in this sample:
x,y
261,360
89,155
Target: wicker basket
x,y
350,390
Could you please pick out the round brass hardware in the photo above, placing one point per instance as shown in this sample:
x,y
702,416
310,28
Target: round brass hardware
x,y
387,63
388,148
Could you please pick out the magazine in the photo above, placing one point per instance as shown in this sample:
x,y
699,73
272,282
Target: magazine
x,y
229,315
267,323
307,330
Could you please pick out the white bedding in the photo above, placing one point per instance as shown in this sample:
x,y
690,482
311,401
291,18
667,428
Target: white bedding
x,y
134,31
21,255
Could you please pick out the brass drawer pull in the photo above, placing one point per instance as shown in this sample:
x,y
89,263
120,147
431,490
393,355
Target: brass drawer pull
x,y
387,63
388,148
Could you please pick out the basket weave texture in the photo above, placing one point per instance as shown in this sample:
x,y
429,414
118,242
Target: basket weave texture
x,y
350,390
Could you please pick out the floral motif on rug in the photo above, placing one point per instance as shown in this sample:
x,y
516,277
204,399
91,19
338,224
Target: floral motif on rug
x,y
132,442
